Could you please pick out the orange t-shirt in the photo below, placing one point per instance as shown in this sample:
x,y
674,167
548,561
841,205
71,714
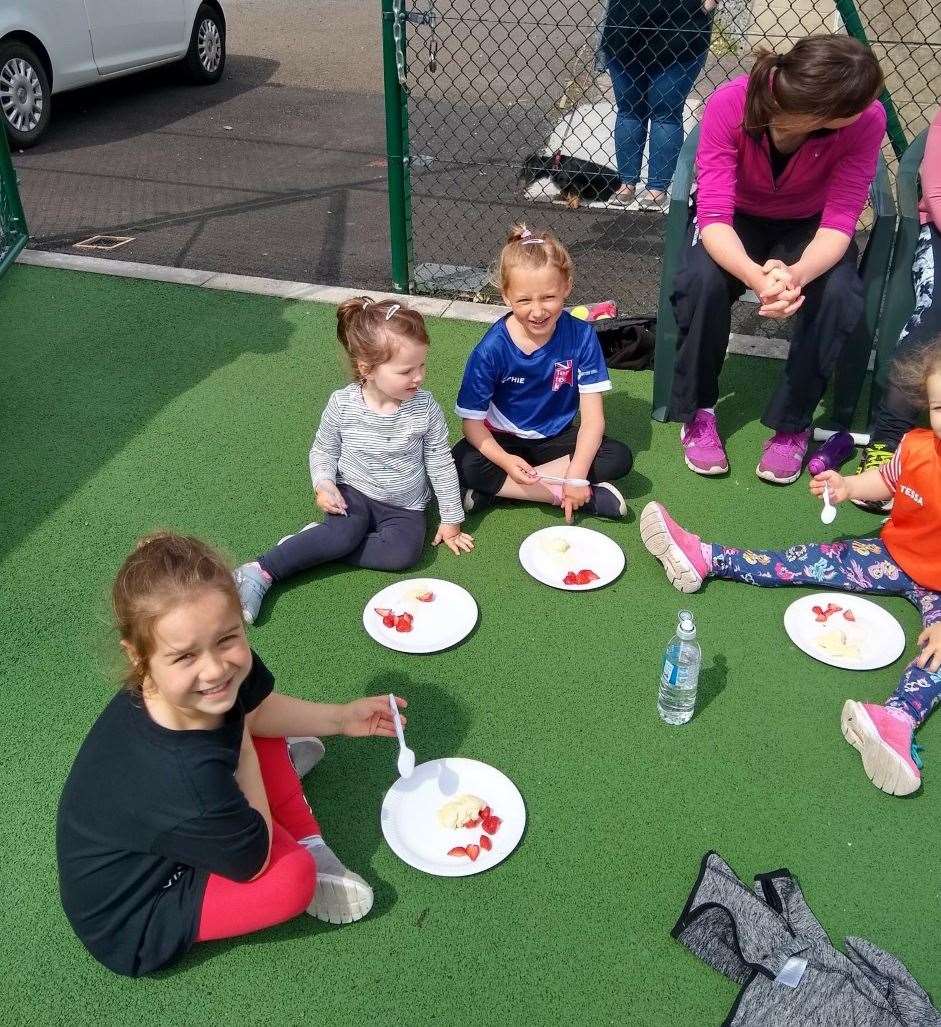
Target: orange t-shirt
x,y
913,532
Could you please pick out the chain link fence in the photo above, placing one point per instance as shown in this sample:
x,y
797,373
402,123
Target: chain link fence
x,y
538,110
13,233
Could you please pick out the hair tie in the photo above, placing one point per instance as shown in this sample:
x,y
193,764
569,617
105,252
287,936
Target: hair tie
x,y
393,310
531,241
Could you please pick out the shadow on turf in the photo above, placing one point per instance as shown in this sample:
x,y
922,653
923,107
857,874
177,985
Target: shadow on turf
x,y
346,791
712,681
98,361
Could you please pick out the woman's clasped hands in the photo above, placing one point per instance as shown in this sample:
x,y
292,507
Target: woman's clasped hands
x,y
778,290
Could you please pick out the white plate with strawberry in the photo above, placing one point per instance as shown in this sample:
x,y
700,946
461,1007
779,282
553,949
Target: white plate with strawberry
x,y
844,630
453,817
571,558
420,615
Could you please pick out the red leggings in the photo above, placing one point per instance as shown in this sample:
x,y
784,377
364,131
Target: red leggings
x,y
286,887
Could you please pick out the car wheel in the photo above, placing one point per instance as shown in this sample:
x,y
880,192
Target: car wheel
x,y
205,58
25,95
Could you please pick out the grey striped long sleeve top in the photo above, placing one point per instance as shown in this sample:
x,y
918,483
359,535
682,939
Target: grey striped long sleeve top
x,y
394,458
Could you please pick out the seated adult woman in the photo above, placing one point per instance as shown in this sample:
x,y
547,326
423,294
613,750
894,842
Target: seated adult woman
x,y
785,159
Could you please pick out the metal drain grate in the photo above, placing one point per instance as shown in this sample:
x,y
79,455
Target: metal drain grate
x,y
103,242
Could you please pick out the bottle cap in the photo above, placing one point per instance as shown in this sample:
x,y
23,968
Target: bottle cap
x,y
686,626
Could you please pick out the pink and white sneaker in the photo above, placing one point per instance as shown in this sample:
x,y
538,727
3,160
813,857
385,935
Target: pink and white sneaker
x,y
680,552
702,447
883,737
782,457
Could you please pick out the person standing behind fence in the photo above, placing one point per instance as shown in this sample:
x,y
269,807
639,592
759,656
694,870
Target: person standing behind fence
x,y
896,414
785,160
654,50
532,374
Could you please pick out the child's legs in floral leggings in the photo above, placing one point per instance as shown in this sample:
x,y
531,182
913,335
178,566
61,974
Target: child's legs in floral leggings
x,y
856,565
286,888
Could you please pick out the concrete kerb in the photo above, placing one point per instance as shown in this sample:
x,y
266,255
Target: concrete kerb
x,y
458,310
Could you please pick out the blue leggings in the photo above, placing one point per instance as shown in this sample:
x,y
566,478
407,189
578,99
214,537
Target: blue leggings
x,y
854,565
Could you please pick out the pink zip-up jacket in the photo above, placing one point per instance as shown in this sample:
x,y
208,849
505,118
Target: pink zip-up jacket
x,y
930,206
828,175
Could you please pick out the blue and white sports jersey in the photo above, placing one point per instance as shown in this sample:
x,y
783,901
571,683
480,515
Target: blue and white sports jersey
x,y
535,395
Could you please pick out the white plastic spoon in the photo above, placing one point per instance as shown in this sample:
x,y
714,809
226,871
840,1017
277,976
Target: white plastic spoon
x,y
554,479
828,513
406,763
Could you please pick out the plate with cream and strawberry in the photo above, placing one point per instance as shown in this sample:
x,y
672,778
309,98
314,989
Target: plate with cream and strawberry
x,y
420,615
572,558
844,630
453,817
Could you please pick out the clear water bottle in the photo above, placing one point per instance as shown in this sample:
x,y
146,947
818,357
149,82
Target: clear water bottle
x,y
680,676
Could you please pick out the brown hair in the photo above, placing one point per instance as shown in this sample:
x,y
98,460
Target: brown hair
x,y
821,78
371,331
911,371
163,570
531,251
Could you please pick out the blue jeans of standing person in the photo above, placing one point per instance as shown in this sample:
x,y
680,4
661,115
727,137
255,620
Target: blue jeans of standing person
x,y
656,95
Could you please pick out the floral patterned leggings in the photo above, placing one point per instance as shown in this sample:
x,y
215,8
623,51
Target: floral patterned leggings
x,y
853,565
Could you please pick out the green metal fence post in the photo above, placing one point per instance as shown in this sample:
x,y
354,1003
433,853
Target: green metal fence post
x,y
13,231
396,99
854,27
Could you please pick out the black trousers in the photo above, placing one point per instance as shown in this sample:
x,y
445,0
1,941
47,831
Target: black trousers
x,y
613,459
898,412
702,302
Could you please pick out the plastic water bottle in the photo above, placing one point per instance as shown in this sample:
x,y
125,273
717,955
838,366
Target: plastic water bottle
x,y
680,676
832,454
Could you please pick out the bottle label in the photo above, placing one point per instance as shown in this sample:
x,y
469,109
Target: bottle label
x,y
671,672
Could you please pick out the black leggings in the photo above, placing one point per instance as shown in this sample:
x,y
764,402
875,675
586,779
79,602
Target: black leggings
x,y
372,534
702,301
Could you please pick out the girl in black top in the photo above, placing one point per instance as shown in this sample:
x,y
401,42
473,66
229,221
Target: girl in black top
x,y
183,818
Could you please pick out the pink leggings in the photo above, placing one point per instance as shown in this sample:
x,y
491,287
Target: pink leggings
x,y
286,887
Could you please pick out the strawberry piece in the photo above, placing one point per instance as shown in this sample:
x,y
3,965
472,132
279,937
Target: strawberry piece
x,y
485,813
492,824
426,597
388,620
458,850
472,823
849,615
821,618
403,622
485,843
383,611
587,576
570,579
832,608
818,610
473,851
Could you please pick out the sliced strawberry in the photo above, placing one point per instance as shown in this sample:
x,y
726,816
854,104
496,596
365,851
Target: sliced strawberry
x,y
403,622
491,825
473,851
818,610
588,576
570,579
485,843
426,597
849,615
821,618
458,850
485,812
472,823
388,620
383,611
832,608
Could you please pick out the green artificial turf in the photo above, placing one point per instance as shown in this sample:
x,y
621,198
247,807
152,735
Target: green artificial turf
x,y
132,405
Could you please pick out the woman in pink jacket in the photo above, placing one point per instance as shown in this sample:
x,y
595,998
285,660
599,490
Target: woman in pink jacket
x,y
785,160
896,415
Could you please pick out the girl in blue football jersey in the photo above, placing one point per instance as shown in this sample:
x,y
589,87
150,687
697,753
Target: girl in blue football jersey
x,y
535,373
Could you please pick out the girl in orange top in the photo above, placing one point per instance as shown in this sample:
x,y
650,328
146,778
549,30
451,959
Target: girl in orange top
x,y
904,560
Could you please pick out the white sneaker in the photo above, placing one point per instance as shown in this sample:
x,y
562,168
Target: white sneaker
x,y
341,898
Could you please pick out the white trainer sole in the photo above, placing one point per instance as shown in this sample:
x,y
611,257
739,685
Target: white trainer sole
x,y
341,899
682,575
768,476
712,471
883,765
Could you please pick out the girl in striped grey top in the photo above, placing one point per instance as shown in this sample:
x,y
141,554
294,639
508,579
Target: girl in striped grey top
x,y
380,452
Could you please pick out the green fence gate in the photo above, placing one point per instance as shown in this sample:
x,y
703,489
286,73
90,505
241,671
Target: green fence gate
x,y
504,110
13,232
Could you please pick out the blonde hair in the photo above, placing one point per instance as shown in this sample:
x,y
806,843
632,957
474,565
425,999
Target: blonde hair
x,y
371,331
526,250
911,371
164,570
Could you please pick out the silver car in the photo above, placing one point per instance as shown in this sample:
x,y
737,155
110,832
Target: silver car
x,y
49,46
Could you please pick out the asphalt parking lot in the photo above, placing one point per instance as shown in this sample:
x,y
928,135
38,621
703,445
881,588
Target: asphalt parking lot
x,y
278,170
